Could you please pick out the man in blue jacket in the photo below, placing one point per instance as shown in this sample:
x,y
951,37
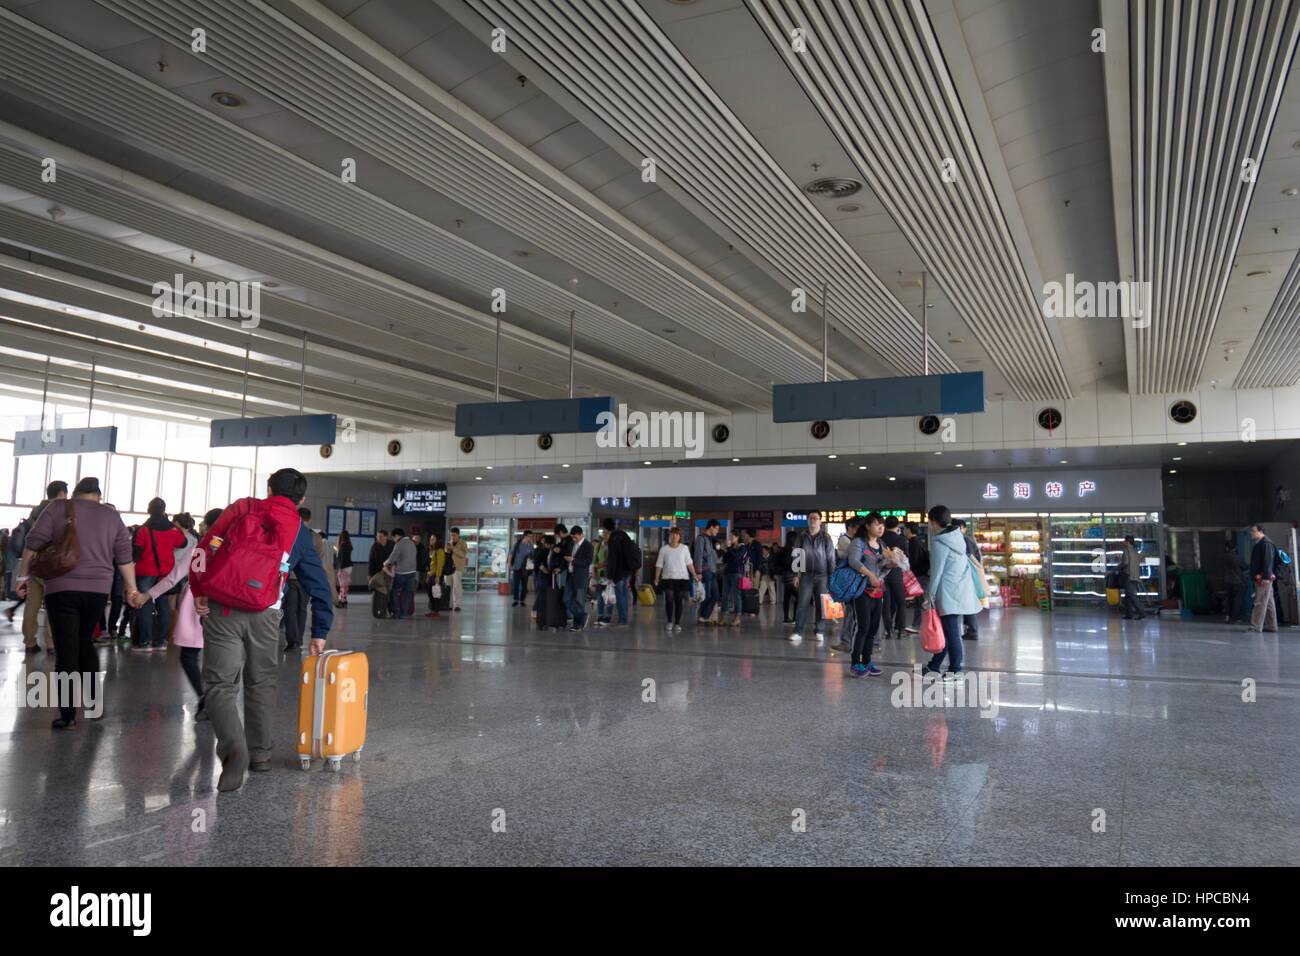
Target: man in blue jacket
x,y
519,555
241,648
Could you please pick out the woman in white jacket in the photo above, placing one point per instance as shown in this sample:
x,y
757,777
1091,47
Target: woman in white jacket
x,y
951,591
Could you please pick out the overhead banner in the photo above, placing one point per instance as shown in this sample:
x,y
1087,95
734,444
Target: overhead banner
x,y
952,394
273,430
66,441
732,481
427,499
550,416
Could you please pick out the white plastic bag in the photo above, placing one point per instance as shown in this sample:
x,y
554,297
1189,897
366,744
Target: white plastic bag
x,y
699,590
437,591
609,595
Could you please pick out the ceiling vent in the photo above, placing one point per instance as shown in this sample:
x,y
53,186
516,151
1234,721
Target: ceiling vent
x,y
1049,419
833,188
929,424
1183,412
394,448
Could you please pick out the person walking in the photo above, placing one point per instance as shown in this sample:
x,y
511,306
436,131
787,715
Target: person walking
x,y
75,596
439,562
1236,573
1263,556
951,591
240,648
674,572
733,564
187,633
1132,576
543,577
459,552
376,577
35,593
623,562
343,566
918,556
704,557
402,564
579,558
866,556
766,577
895,603
813,563
155,548
422,564
785,574
971,621
519,556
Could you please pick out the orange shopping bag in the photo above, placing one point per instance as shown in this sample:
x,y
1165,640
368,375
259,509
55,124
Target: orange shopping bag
x,y
832,610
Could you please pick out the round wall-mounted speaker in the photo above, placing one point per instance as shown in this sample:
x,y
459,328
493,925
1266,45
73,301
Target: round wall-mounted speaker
x,y
820,430
326,450
1049,419
467,444
545,441
929,424
721,433
394,448
1182,411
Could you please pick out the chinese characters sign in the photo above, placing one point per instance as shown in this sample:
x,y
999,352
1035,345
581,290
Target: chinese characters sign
x,y
1051,490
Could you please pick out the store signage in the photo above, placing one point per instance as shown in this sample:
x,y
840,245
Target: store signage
x,y
514,498
682,514
615,502
752,519
1054,490
419,499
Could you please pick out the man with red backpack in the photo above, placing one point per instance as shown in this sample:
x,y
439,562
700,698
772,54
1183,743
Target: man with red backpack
x,y
238,574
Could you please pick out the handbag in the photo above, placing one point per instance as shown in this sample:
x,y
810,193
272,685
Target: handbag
x,y
911,586
832,610
932,639
746,584
61,555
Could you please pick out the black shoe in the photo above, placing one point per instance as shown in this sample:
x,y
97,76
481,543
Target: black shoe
x,y
970,636
260,766
31,649
292,647
61,724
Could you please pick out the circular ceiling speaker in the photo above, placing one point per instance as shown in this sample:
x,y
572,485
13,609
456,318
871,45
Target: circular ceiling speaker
x,y
326,451
929,425
820,430
833,188
721,433
545,441
1182,411
394,448
467,444
1049,419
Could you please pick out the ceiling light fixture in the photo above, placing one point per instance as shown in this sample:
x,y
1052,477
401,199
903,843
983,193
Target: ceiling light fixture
x,y
848,207
564,466
1181,444
1178,457
833,187
545,476
735,459
892,478
478,477
960,465
1259,273
645,462
832,456
862,467
1173,471
227,100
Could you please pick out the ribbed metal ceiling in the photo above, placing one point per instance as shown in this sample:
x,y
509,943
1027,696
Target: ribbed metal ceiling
x,y
1207,77
271,54
86,84
876,75
1274,359
609,55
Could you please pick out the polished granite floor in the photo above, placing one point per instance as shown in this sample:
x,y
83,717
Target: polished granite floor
x,y
491,743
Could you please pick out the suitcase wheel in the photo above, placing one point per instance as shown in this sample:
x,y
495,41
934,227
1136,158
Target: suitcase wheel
x,y
304,762
356,756
334,764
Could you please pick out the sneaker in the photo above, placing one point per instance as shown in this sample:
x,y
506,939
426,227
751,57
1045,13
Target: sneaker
x,y
669,628
795,638
927,670
858,670
873,671
821,638
950,674
159,647
677,628
972,636
141,649
911,630
841,646
260,766
602,623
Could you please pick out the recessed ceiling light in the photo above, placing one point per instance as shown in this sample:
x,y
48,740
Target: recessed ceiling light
x,y
488,467
478,477
832,456
862,467
892,478
1173,471
848,207
1259,273
735,459
645,462
938,453
1064,462
229,100
670,331
1178,457
960,465
1181,444
1290,191
546,476
564,466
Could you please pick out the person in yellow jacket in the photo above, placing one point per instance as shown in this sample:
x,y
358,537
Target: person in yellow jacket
x,y
437,567
459,551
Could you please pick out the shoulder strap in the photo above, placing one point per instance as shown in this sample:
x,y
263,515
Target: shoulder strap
x,y
153,543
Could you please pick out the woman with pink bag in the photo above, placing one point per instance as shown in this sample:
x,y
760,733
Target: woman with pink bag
x,y
188,633
950,594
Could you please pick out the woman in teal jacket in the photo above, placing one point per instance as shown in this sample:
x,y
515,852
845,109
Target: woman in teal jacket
x,y
952,590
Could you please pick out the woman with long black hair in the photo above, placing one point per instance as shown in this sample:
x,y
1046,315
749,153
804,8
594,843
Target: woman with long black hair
x,y
343,566
865,556
155,555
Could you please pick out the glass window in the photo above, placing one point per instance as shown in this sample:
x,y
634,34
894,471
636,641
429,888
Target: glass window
x,y
6,473
218,487
196,488
241,484
121,472
63,468
94,466
173,484
146,483
31,480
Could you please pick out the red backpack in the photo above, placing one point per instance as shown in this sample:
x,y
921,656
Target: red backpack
x,y
243,560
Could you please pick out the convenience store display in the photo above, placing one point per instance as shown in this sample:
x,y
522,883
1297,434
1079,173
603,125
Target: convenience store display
x,y
1078,560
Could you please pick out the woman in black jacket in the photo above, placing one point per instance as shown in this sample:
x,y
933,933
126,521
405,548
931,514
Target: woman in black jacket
x,y
343,567
785,575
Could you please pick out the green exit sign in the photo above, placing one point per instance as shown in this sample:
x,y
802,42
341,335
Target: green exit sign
x,y
681,514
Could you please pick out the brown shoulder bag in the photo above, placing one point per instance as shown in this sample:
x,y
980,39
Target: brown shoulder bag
x,y
62,554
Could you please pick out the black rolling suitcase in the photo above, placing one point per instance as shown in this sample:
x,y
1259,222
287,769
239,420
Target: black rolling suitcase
x,y
550,610
749,601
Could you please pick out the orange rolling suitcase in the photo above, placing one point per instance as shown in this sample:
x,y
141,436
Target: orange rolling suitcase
x,y
332,702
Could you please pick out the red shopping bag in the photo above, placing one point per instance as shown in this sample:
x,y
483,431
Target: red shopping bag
x,y
932,639
911,586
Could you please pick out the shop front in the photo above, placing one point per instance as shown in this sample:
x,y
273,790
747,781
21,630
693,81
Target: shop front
x,y
1049,538
492,517
835,520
